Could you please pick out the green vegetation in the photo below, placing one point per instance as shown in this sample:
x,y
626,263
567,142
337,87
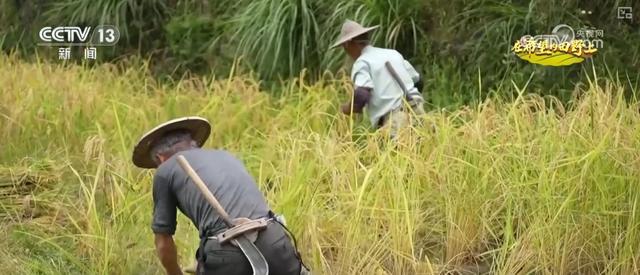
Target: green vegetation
x,y
523,185
461,39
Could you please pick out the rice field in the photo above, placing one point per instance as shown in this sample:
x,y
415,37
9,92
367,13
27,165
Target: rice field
x,y
522,185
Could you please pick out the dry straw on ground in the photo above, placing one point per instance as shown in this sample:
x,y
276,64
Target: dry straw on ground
x,y
18,185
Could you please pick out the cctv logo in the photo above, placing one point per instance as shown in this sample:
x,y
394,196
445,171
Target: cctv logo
x,y
64,34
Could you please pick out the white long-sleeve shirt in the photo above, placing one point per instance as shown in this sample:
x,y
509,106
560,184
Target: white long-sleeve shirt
x,y
369,71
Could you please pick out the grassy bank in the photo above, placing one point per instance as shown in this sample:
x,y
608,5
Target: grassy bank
x,y
523,185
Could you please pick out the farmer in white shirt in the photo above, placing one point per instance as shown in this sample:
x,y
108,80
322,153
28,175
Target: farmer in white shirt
x,y
375,87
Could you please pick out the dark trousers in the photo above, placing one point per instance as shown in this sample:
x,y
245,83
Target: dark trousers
x,y
273,242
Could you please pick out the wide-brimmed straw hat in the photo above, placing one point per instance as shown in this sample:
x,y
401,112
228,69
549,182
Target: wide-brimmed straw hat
x,y
351,30
199,127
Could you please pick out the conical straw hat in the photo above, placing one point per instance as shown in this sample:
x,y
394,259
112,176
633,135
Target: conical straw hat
x,y
350,30
198,127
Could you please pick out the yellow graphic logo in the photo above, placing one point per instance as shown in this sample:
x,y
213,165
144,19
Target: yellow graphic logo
x,y
558,49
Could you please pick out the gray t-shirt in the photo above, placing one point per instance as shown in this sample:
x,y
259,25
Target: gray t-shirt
x,y
225,176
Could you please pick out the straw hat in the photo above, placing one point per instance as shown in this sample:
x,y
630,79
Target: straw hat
x,y
351,30
199,127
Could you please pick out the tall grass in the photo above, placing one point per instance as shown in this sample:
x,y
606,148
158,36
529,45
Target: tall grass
x,y
281,39
518,186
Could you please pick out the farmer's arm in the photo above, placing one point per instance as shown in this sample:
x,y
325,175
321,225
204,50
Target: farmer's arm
x,y
360,98
361,77
415,76
164,224
168,254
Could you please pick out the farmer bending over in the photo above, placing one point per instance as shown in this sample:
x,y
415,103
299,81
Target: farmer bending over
x,y
231,184
375,86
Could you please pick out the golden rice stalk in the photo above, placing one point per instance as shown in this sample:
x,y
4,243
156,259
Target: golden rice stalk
x,y
17,184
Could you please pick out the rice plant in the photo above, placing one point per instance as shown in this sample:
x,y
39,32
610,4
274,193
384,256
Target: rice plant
x,y
509,185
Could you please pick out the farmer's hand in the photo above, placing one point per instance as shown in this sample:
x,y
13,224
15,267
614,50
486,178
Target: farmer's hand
x,y
346,108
